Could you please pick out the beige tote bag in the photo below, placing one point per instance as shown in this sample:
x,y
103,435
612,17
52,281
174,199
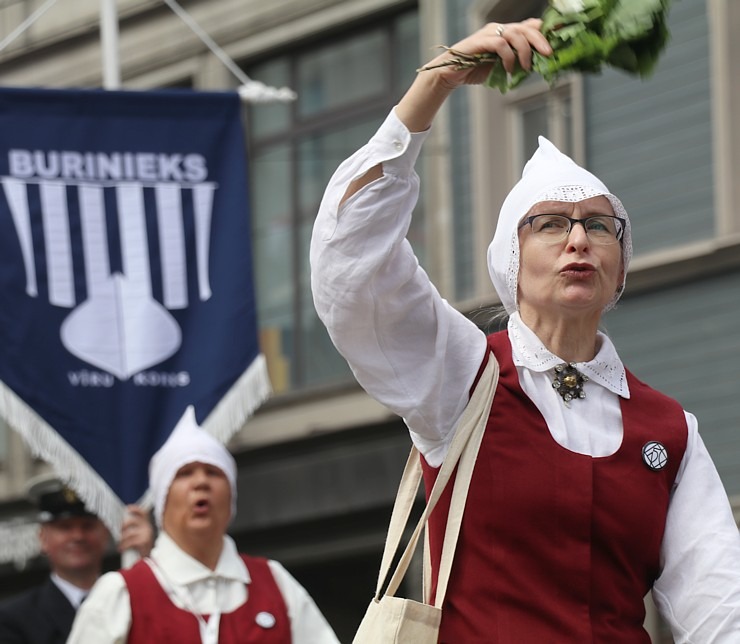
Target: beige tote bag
x,y
390,619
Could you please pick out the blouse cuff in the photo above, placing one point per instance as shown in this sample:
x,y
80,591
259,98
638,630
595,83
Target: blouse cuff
x,y
398,147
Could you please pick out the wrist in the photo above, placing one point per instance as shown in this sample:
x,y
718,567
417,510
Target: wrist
x,y
422,101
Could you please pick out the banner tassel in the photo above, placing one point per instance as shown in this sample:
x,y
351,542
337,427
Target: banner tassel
x,y
47,444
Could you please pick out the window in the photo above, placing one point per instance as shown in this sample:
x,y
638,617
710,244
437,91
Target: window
x,y
345,87
534,110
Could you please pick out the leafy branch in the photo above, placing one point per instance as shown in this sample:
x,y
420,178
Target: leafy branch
x,y
585,35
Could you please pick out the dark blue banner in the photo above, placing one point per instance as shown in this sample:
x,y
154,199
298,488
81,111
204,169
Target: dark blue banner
x,y
126,287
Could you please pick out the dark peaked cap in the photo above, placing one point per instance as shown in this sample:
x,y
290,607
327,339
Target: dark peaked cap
x,y
55,500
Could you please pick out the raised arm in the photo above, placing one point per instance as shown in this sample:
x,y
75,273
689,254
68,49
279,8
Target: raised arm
x,y
431,88
406,345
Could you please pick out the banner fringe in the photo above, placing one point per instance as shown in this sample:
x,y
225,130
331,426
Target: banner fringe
x,y
19,542
227,417
239,403
47,444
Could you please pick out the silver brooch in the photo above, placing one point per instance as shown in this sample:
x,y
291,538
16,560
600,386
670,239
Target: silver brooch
x,y
569,382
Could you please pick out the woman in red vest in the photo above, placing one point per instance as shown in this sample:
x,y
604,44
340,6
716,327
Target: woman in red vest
x,y
195,586
591,489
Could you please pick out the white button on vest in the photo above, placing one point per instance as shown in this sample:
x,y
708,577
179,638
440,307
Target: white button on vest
x,y
265,619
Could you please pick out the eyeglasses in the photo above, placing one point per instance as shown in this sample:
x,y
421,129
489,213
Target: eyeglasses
x,y
551,229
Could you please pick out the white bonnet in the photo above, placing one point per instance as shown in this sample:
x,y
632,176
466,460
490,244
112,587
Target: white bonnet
x,y
549,175
187,443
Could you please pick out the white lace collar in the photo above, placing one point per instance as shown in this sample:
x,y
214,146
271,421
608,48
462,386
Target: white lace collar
x,y
605,369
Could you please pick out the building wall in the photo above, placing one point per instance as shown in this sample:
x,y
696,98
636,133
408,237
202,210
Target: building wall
x,y
63,47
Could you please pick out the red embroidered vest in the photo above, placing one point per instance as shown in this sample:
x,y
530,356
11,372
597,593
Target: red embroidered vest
x,y
557,547
154,618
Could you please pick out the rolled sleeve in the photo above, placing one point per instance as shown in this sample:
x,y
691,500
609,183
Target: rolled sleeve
x,y
406,345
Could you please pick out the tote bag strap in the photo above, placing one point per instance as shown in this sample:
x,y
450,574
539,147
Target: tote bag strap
x,y
468,433
465,468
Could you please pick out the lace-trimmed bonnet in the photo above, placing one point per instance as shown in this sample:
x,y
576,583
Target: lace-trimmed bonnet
x,y
549,175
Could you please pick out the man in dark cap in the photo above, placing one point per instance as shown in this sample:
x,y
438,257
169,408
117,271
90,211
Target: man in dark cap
x,y
74,541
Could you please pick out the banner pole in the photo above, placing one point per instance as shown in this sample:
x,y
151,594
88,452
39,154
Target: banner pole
x,y
109,44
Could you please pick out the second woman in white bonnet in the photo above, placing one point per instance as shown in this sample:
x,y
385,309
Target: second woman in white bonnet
x,y
196,586
590,489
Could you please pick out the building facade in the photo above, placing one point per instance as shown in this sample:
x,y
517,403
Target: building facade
x,y
320,462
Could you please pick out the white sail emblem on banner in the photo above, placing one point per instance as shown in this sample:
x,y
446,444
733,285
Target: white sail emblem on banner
x,y
120,328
